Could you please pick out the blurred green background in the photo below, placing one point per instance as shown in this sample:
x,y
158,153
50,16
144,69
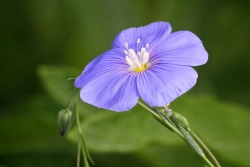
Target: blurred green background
x,y
42,43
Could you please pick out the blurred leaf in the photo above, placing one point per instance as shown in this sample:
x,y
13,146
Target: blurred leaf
x,y
160,156
223,126
57,84
39,158
29,135
33,127
107,131
169,156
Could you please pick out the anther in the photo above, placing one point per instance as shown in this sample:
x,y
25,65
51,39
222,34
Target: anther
x,y
126,45
138,41
137,59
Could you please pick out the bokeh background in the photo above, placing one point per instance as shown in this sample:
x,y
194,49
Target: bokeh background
x,y
42,43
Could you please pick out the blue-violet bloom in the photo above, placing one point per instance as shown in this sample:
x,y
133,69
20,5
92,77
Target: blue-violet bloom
x,y
147,62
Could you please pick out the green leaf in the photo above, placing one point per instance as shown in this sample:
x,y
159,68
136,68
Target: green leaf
x,y
30,126
55,80
170,156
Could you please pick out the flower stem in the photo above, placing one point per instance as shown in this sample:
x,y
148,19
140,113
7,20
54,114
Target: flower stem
x,y
186,134
169,124
147,108
78,154
72,96
85,151
160,118
196,146
201,143
208,162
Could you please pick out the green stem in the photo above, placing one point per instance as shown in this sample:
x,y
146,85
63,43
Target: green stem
x,y
208,162
168,123
85,151
78,154
162,120
147,108
71,96
205,148
193,143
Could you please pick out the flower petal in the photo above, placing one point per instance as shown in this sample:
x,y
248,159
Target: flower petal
x,y
111,60
152,34
181,48
160,85
79,82
107,82
112,91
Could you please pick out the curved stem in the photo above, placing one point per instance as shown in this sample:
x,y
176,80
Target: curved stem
x,y
71,96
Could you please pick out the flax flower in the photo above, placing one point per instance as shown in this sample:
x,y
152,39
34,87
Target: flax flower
x,y
147,62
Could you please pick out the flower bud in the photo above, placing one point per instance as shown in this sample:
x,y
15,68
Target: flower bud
x,y
65,119
179,119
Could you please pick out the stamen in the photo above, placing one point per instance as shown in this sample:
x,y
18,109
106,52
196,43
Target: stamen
x,y
143,51
126,52
126,45
138,41
138,61
134,57
129,61
145,58
132,54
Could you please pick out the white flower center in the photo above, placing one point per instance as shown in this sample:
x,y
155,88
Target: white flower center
x,y
137,61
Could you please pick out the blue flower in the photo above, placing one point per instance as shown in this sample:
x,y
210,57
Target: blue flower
x,y
147,62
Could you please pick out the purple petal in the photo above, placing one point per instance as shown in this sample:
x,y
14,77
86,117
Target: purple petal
x,y
152,34
107,83
112,91
79,82
111,60
181,48
160,85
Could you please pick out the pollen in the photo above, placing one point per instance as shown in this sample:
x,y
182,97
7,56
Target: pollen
x,y
138,61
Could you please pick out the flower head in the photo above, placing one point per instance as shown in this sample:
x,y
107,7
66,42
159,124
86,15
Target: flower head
x,y
147,62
